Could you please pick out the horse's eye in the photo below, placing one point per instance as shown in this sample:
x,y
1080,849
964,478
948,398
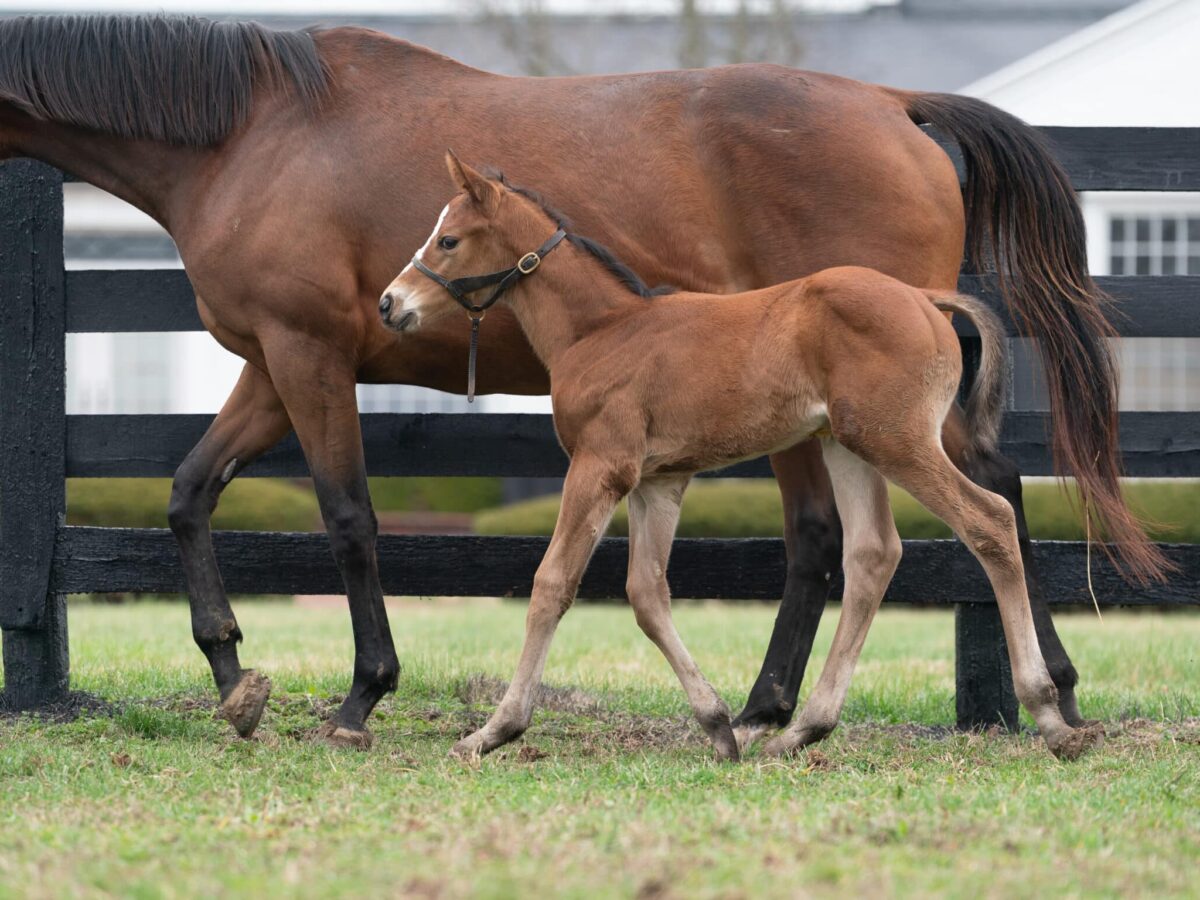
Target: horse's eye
x,y
447,242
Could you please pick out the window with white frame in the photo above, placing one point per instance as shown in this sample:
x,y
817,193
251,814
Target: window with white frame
x,y
1154,244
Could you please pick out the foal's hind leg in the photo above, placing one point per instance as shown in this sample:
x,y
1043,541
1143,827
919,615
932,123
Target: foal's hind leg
x,y
591,492
653,514
813,537
997,473
252,421
872,552
986,524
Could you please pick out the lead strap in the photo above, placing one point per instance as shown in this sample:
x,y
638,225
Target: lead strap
x,y
471,358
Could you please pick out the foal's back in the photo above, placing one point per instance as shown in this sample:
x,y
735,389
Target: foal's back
x,y
712,379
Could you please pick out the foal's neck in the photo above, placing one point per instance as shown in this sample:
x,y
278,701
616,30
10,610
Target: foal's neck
x,y
569,296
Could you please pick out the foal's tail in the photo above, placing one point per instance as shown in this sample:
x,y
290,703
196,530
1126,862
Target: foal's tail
x,y
985,403
1023,220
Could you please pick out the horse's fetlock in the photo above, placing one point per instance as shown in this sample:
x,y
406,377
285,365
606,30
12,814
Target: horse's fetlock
x,y
216,634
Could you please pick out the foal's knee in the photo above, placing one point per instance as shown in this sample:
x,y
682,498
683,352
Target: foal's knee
x,y
877,555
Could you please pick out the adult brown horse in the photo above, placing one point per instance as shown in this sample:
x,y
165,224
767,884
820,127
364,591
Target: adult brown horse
x,y
298,171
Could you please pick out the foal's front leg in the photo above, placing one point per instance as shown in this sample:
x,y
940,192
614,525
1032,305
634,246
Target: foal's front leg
x,y
654,509
592,489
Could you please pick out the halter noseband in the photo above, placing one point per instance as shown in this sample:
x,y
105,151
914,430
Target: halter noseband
x,y
459,288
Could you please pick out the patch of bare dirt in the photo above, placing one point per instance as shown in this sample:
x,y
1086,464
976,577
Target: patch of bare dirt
x,y
73,705
482,690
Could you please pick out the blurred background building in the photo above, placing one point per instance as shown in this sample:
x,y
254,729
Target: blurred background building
x,y
1054,62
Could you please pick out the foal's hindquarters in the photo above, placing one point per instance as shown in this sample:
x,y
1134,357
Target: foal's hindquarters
x,y
883,383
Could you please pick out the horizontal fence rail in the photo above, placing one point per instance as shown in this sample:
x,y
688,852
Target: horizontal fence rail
x,y
933,572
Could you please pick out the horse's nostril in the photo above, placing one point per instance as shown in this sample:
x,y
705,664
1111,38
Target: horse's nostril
x,y
385,304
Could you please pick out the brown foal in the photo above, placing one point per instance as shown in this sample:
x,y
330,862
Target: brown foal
x,y
648,392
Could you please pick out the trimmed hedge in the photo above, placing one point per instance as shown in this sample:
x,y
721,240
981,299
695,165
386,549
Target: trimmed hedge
x,y
743,508
251,504
435,494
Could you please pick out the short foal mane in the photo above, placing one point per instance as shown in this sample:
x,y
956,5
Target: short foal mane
x,y
629,278
179,79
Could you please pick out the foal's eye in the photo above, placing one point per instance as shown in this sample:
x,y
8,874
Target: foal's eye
x,y
447,242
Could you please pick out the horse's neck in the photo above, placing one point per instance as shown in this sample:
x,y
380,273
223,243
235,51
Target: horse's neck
x,y
146,174
569,297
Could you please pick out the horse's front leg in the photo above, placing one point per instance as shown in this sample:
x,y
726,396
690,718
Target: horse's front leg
x,y
317,384
813,536
592,489
251,422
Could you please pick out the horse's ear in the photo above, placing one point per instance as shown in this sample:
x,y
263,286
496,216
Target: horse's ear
x,y
483,190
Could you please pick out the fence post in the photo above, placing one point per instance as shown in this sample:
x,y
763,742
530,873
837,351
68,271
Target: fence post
x,y
32,432
983,685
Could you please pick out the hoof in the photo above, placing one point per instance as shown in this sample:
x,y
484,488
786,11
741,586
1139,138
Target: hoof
x,y
781,745
470,748
1069,707
747,735
243,708
338,736
1077,742
721,734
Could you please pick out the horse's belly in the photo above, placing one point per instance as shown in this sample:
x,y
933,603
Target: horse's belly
x,y
732,442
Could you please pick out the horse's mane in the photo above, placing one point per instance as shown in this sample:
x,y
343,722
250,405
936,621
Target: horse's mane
x,y
618,269
179,79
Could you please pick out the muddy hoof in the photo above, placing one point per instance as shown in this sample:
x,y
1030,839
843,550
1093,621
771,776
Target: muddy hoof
x,y
244,707
339,736
1077,742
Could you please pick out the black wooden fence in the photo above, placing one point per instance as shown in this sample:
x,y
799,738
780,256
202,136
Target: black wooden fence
x,y
42,559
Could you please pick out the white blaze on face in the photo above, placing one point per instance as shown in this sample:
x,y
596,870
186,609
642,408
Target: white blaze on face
x,y
410,286
424,247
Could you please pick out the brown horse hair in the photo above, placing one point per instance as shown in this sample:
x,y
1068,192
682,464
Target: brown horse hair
x,y
1024,221
629,278
985,402
178,79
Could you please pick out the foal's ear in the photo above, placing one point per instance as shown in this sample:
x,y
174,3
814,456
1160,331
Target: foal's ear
x,y
483,190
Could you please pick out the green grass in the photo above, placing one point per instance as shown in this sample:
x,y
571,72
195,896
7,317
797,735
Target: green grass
x,y
160,801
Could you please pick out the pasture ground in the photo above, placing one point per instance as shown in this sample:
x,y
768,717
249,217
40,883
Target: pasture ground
x,y
612,792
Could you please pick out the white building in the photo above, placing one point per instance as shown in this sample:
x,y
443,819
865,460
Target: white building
x,y
1137,67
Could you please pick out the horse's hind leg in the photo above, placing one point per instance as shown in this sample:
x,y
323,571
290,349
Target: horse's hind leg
x,y
653,514
872,552
813,537
251,422
986,524
997,473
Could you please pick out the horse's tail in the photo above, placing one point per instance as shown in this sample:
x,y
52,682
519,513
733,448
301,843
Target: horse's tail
x,y
985,403
1023,219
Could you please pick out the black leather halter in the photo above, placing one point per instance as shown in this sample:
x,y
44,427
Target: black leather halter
x,y
460,288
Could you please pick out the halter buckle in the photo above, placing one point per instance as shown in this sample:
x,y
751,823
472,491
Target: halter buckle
x,y
528,263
